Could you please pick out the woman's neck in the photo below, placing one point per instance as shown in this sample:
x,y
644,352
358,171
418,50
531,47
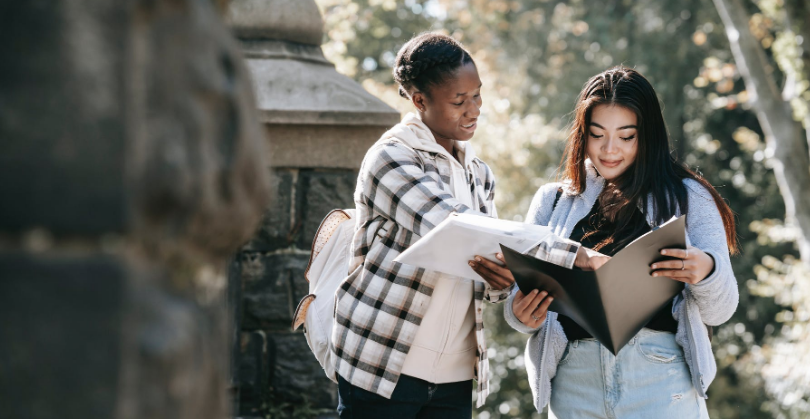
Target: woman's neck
x,y
445,142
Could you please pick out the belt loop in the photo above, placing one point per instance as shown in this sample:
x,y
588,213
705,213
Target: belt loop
x,y
576,343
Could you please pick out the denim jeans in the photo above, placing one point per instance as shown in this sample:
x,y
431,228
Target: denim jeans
x,y
647,379
412,398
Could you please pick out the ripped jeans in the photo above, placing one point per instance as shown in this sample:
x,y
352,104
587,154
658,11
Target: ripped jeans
x,y
647,379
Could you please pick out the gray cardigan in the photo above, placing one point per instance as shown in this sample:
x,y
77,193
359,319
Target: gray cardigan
x,y
710,302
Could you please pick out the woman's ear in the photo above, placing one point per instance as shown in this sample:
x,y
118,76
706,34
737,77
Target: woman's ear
x,y
419,100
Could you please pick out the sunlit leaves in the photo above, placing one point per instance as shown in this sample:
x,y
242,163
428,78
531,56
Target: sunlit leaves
x,y
533,57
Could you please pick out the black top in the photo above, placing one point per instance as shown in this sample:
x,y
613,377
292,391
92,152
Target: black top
x,y
602,228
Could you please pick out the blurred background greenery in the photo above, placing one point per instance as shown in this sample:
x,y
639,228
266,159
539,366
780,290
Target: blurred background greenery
x,y
534,56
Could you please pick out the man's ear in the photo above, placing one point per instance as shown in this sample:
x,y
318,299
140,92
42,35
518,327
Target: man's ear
x,y
419,100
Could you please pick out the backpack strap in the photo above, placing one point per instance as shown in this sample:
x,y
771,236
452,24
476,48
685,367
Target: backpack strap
x,y
328,227
557,199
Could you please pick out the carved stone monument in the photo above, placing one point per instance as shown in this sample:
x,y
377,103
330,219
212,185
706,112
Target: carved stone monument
x,y
131,167
319,124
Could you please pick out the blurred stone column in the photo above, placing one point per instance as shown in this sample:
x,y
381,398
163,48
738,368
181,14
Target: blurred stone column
x,y
131,167
319,124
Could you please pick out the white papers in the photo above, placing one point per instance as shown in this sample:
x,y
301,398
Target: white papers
x,y
458,239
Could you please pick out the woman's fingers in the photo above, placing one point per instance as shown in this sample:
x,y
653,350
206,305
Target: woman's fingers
x,y
677,253
501,270
676,264
538,310
542,309
498,276
523,301
531,309
495,281
691,266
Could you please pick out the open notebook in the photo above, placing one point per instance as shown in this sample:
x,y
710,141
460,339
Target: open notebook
x,y
615,301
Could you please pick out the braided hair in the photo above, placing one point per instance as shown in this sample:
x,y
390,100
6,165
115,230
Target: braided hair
x,y
427,60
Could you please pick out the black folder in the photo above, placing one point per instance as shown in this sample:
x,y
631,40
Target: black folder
x,y
615,301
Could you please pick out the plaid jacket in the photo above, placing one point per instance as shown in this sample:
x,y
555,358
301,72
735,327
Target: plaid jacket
x,y
402,193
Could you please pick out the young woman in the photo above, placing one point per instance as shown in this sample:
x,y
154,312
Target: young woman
x,y
619,182
408,342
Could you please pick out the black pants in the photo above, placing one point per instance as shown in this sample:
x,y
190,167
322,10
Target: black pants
x,y
412,399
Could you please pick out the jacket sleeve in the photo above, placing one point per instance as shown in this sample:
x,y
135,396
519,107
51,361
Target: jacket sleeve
x,y
553,248
489,185
717,295
395,185
542,204
498,296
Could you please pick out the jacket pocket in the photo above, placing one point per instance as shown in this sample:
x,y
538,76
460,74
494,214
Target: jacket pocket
x,y
659,348
566,356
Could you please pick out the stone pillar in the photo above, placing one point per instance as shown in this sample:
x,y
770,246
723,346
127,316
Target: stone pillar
x,y
131,167
320,124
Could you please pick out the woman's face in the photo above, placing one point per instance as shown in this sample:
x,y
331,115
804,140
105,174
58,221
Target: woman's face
x,y
452,109
612,142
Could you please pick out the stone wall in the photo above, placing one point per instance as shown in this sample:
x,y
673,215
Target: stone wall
x,y
319,125
132,166
276,365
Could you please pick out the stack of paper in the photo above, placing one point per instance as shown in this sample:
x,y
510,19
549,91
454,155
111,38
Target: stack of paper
x,y
458,239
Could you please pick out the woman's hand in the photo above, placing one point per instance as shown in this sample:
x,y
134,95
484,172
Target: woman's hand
x,y
498,276
589,260
691,267
531,309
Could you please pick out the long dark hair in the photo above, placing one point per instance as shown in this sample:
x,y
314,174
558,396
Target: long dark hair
x,y
655,173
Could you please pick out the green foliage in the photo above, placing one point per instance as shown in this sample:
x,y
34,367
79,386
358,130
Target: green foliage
x,y
533,57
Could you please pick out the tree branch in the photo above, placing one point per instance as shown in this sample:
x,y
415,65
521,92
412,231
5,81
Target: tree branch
x,y
784,136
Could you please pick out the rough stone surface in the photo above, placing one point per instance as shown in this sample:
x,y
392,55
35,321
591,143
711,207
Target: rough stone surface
x,y
175,353
320,192
70,303
235,319
61,124
128,93
131,165
194,162
319,125
291,91
272,286
321,146
276,226
289,20
296,375
254,372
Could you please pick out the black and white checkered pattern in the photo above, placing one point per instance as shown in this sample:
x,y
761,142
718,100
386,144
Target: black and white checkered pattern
x,y
402,193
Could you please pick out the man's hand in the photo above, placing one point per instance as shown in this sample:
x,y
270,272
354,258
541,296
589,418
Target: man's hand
x,y
589,260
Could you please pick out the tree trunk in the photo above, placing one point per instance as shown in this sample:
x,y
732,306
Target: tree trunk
x,y
786,138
